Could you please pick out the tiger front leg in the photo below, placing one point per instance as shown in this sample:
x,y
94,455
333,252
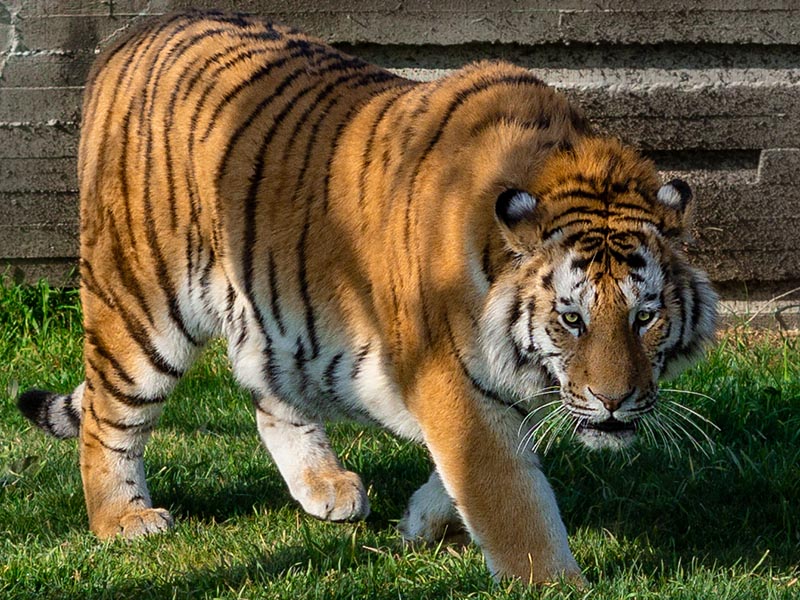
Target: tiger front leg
x,y
502,496
304,457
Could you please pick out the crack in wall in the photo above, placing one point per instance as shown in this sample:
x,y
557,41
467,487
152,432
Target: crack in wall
x,y
10,8
146,11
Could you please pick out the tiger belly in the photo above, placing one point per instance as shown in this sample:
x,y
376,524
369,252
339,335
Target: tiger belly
x,y
349,378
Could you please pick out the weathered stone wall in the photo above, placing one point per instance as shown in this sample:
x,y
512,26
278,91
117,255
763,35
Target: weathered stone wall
x,y
710,89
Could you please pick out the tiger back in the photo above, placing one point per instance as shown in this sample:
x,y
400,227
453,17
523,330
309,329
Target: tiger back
x,y
425,256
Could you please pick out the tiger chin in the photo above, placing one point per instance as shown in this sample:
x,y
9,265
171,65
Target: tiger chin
x,y
437,258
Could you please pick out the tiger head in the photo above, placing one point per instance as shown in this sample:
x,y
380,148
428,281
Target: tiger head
x,y
599,296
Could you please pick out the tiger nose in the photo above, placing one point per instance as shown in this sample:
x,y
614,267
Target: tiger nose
x,y
613,403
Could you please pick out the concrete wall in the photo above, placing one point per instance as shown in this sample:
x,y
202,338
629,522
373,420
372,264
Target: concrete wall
x,y
709,89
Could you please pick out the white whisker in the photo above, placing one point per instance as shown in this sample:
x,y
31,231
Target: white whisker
x,y
675,423
689,410
669,435
689,392
560,426
552,430
543,392
542,428
534,411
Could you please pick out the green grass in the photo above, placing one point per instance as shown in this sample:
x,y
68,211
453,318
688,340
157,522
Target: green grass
x,y
725,524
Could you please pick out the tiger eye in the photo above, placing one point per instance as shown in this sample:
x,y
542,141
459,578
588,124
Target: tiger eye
x,y
572,318
644,316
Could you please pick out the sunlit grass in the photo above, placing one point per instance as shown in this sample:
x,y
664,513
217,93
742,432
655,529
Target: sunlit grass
x,y
644,524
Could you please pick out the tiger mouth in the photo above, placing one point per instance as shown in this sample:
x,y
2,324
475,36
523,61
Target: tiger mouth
x,y
610,425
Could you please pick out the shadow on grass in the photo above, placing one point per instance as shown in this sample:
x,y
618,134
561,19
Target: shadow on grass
x,y
725,509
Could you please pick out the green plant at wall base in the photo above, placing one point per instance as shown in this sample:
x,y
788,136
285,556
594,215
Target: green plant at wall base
x,y
718,523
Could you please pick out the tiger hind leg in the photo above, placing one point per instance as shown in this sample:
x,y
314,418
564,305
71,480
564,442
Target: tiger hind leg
x,y
431,516
128,375
308,464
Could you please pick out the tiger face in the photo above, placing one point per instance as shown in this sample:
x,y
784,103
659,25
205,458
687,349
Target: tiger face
x,y
601,299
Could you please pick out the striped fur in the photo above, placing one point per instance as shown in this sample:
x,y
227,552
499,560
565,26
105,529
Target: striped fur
x,y
371,248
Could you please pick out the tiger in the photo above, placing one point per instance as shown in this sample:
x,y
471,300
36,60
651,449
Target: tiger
x,y
429,257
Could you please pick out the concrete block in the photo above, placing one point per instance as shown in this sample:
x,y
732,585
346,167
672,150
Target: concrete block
x,y
82,8
51,69
36,225
81,25
38,175
71,33
747,230
40,105
695,25
40,140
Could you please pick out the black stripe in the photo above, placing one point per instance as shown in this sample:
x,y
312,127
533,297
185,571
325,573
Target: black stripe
x,y
127,278
582,210
369,78
571,194
103,352
302,276
554,230
477,386
369,146
139,334
123,176
204,283
636,261
131,400
273,293
581,263
301,48
329,377
547,280
271,369
141,428
515,310
124,453
500,120
90,284
486,262
72,415
460,98
359,359
300,362
243,334
697,304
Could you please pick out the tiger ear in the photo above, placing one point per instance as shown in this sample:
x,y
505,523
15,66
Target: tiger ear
x,y
676,196
516,211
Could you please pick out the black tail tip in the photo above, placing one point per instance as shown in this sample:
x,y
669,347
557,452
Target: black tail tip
x,y
32,402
